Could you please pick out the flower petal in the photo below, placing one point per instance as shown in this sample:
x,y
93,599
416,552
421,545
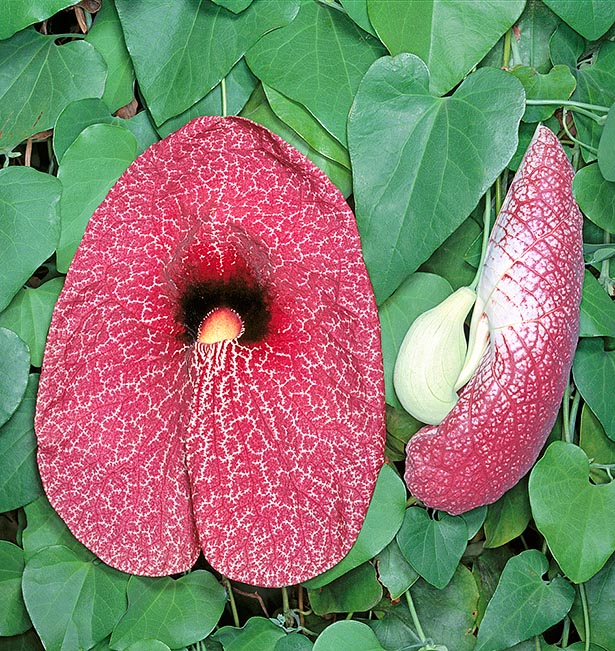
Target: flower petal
x,y
529,291
275,444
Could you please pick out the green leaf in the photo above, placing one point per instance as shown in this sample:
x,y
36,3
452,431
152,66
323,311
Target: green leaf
x,y
421,163
236,6
89,168
347,636
355,591
595,85
401,426
258,633
357,10
595,196
19,479
438,33
258,109
557,84
148,645
16,16
240,83
83,113
384,517
508,517
448,615
335,54
433,547
566,46
600,592
305,124
594,375
591,18
28,641
14,369
35,85
176,612
394,570
579,529
73,601
597,310
29,225
46,528
13,614
595,443
293,642
523,604
606,148
419,293
201,43
107,37
29,315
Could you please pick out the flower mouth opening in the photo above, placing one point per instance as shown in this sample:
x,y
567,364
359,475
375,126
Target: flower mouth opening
x,y
215,310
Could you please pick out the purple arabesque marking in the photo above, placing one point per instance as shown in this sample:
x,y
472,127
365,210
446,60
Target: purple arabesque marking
x,y
263,455
530,290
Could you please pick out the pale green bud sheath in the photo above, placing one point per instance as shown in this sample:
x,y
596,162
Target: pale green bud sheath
x,y
431,357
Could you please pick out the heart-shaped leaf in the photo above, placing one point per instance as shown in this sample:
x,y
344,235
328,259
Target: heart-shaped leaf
x,y
30,225
176,612
438,33
433,547
421,163
357,590
347,636
258,633
14,369
74,600
19,479
29,315
557,84
202,43
580,529
523,605
394,571
594,375
588,17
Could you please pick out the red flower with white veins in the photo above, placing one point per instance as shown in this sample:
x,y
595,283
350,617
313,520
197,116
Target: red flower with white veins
x,y
213,378
527,306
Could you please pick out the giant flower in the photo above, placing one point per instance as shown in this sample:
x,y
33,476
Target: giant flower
x,y
212,378
527,314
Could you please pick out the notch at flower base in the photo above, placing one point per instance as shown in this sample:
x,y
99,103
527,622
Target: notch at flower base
x,y
528,300
213,377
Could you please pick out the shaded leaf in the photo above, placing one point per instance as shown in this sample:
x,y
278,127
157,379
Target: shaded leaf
x,y
89,168
357,10
595,196
579,529
19,479
384,517
417,294
591,18
606,148
443,34
557,84
34,87
355,591
14,369
508,517
433,547
28,641
566,46
176,612
16,16
595,443
421,163
523,605
594,375
107,37
258,633
394,570
326,76
597,310
74,601
202,42
29,315
29,225
13,614
293,642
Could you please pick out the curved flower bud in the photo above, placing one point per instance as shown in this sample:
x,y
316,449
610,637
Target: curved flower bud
x,y
431,356
528,296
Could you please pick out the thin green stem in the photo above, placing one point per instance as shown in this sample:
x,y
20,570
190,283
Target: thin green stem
x,y
586,625
231,598
574,410
605,278
567,103
566,632
285,600
415,617
223,91
572,138
506,55
350,615
486,232
566,414
537,643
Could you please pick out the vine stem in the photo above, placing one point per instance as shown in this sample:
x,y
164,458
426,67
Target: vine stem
x,y
231,597
486,233
566,414
223,92
585,616
572,138
571,103
415,617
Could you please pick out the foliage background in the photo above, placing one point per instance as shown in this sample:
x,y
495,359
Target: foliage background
x,y
414,109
